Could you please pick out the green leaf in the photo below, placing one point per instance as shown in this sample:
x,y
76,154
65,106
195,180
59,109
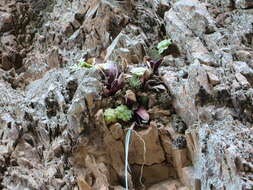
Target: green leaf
x,y
84,64
163,45
134,82
138,71
123,113
110,116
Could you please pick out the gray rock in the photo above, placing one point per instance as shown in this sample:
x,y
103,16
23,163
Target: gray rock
x,y
243,4
186,23
130,48
6,21
243,68
85,101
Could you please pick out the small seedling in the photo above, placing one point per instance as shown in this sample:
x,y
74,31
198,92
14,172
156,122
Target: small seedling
x,y
163,45
85,64
134,82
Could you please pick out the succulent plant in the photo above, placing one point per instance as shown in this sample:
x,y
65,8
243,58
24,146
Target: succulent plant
x,y
114,79
110,115
135,82
123,113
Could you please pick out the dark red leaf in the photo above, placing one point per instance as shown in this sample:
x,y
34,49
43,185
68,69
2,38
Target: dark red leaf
x,y
112,73
155,64
143,114
115,85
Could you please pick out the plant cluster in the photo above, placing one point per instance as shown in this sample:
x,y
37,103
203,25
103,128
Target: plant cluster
x,y
114,79
135,82
135,103
134,108
121,112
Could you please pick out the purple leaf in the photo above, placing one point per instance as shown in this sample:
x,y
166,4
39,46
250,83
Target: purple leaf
x,y
114,82
142,114
155,64
112,73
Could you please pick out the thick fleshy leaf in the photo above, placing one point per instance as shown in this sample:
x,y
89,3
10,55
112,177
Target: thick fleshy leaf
x,y
143,114
139,71
112,73
115,85
114,78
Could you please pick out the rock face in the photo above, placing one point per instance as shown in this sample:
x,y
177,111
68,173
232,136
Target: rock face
x,y
53,134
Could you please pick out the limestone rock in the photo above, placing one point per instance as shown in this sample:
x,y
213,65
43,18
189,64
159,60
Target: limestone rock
x,y
130,48
83,184
243,4
213,78
153,174
151,140
117,131
6,21
166,185
242,80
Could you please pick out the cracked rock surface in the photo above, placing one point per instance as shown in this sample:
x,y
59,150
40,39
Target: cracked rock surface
x,y
199,102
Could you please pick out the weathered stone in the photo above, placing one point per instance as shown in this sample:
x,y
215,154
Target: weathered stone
x,y
117,131
6,63
130,48
186,176
167,145
149,140
153,174
185,92
213,78
84,100
53,136
54,59
166,185
186,19
235,85
68,29
75,24
82,184
6,21
115,151
196,50
243,68
243,4
242,80
180,158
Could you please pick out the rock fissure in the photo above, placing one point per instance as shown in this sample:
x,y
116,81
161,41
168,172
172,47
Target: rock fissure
x,y
193,113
